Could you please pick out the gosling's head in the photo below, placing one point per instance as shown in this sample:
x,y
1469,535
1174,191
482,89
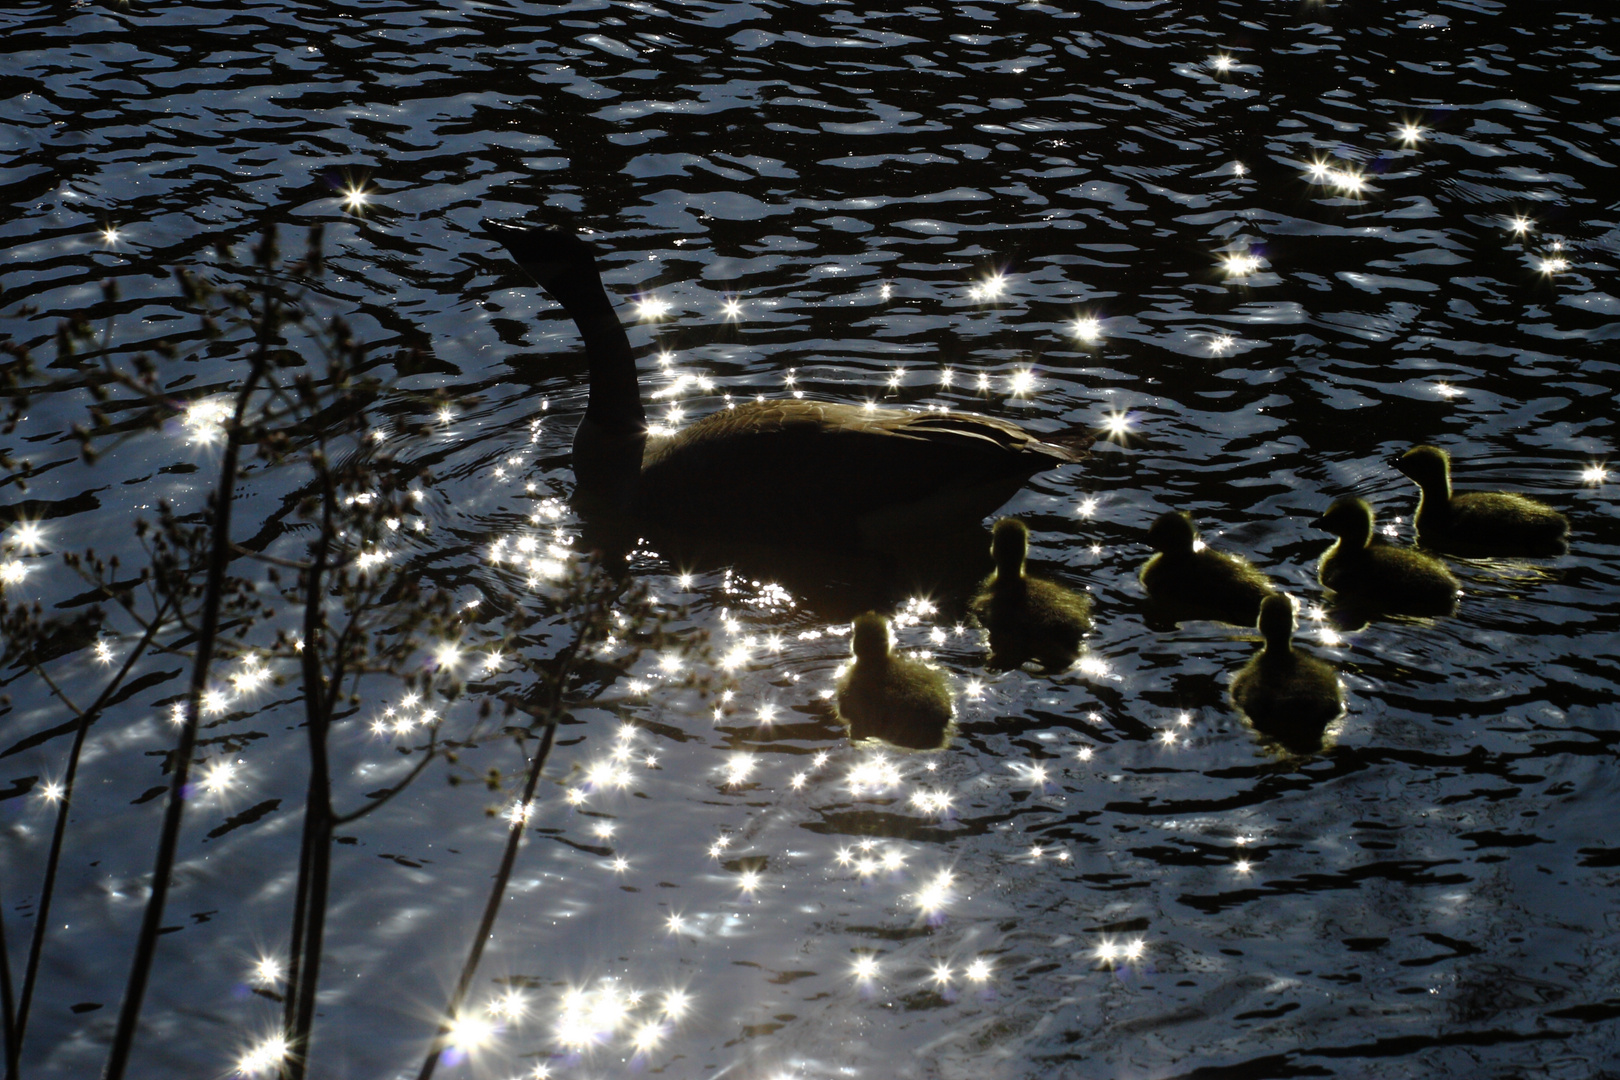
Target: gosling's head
x,y
1277,620
869,638
1430,466
1173,533
1009,545
1350,519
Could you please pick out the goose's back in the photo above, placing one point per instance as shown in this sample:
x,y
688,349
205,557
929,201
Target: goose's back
x,y
836,474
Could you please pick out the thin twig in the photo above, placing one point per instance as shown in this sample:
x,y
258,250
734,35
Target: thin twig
x,y
492,906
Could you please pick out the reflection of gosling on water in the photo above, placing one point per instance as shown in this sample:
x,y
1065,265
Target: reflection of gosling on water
x,y
1028,618
801,473
1478,522
1375,574
1287,694
1197,582
884,695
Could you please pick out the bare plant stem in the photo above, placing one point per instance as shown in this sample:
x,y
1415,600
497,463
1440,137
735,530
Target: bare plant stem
x,y
492,906
48,887
315,854
213,598
6,1010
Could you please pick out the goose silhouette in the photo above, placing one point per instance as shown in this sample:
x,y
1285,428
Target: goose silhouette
x,y
792,472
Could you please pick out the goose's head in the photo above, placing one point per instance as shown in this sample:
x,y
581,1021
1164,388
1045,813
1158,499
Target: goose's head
x,y
551,255
869,639
1009,546
1430,466
1277,621
1173,533
1350,519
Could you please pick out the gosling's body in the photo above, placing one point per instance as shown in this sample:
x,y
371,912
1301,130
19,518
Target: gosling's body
x,y
1375,574
884,695
1478,523
1028,617
1286,693
1200,583
780,472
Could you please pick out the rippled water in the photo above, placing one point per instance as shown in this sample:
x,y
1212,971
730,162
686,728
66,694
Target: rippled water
x,y
1434,895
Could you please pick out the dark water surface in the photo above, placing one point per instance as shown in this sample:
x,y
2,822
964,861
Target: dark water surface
x,y
1152,892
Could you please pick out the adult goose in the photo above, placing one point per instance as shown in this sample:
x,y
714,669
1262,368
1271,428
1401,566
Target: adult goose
x,y
792,472
1477,523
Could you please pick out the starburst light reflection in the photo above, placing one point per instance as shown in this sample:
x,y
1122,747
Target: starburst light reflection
x,y
264,1058
355,198
1088,329
978,971
732,309
866,967
1596,472
1240,264
1520,225
1117,425
1411,133
651,307
268,971
990,288
28,536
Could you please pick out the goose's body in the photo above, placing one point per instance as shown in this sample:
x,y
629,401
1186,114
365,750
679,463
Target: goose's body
x,y
884,695
1028,617
1477,523
1286,693
796,472
1375,574
1199,582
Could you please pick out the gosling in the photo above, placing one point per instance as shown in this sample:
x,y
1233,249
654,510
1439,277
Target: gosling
x,y
1478,523
1287,694
1378,575
885,696
1028,618
1198,581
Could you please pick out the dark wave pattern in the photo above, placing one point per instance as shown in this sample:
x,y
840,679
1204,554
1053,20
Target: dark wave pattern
x,y
1150,890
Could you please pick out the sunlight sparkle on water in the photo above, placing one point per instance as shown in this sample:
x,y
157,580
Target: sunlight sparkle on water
x,y
1221,62
1116,424
651,307
732,309
28,536
866,967
1595,473
355,197
1087,507
935,894
1088,329
1553,264
1240,264
1410,133
263,1058
990,288
1520,225
12,571
738,767
204,420
978,971
1021,383
267,971
1446,390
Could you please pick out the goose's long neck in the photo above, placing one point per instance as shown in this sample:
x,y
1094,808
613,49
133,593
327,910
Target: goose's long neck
x,y
615,401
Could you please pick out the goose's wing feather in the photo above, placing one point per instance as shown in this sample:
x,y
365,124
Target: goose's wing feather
x,y
828,472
